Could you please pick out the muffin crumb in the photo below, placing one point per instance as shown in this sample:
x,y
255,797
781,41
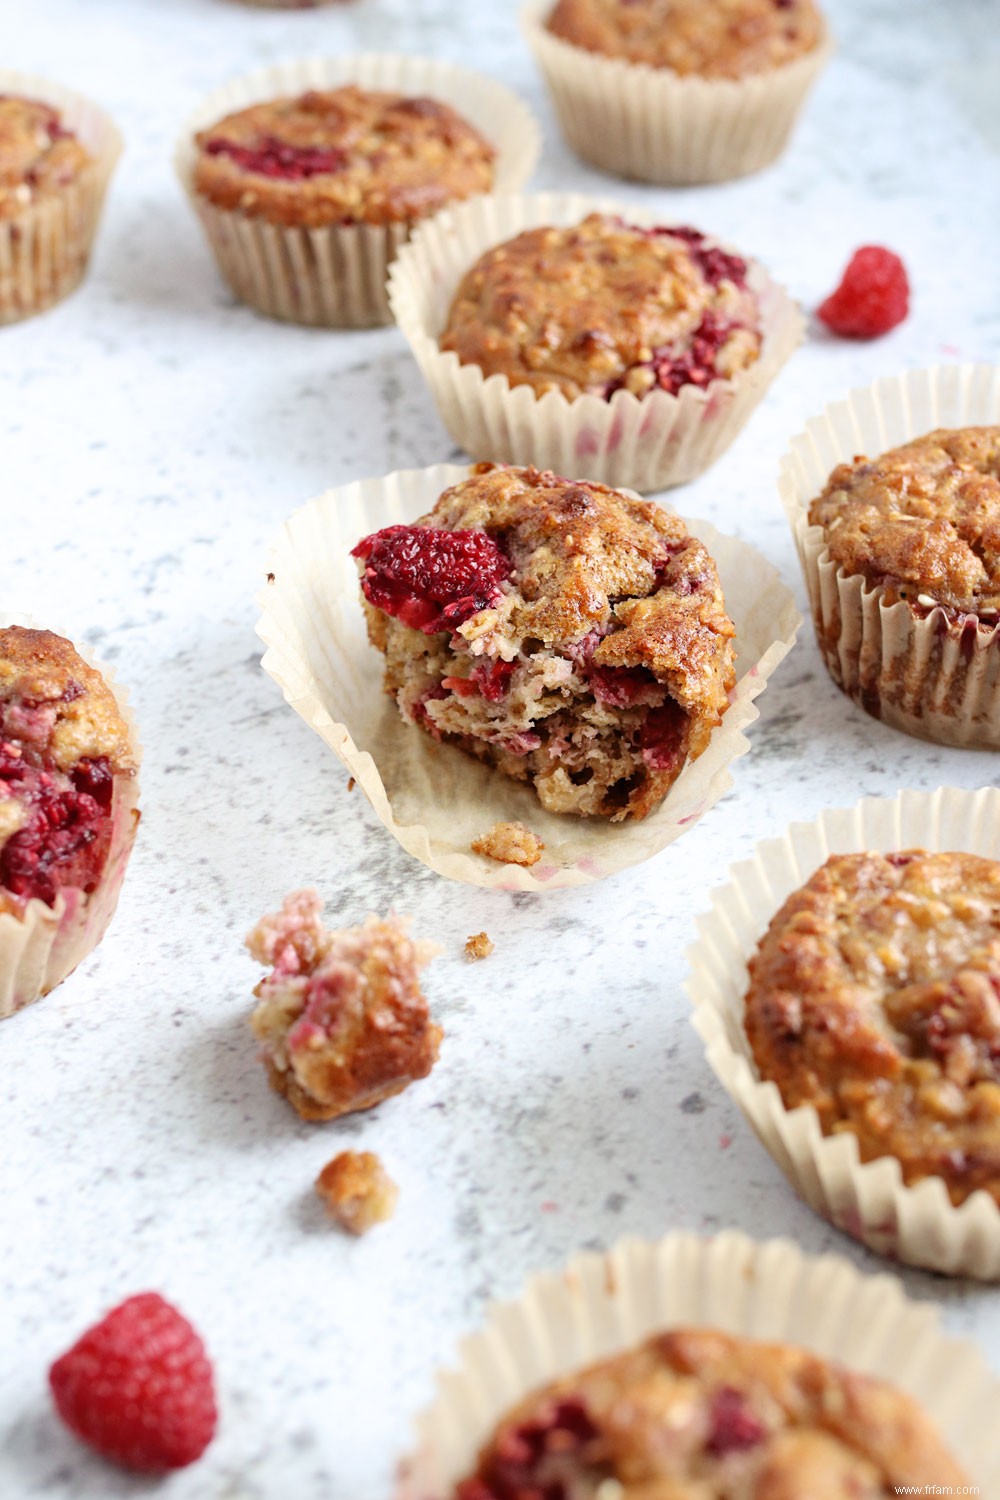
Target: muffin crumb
x,y
479,945
509,844
358,1191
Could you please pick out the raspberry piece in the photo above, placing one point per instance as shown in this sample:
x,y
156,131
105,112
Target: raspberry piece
x,y
514,1470
716,265
271,157
429,578
734,1426
64,840
873,296
138,1387
662,738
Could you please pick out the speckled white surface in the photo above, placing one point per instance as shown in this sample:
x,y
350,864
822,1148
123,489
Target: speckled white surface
x,y
153,436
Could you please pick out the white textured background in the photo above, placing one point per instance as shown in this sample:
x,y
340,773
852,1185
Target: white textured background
x,y
153,435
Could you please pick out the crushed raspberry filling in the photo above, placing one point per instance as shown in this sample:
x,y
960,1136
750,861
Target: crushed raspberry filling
x,y
429,578
525,1462
271,157
491,679
663,737
716,265
734,1426
623,687
696,364
64,839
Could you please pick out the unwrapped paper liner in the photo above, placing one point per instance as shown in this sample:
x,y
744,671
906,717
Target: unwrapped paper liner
x,y
44,944
601,1305
647,443
655,125
931,676
45,248
433,798
919,1224
335,276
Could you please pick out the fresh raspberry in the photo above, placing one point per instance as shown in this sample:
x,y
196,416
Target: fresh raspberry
x,y
429,578
873,296
138,1387
271,157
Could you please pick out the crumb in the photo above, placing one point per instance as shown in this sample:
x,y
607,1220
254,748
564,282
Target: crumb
x,y
351,783
357,1191
479,945
510,844
270,577
341,1019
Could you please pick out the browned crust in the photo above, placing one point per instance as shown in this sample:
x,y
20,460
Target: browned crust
x,y
404,158
922,522
39,157
822,1430
724,39
39,667
875,997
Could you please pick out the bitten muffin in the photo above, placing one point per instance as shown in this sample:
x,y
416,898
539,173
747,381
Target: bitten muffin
x,y
571,636
708,38
341,156
39,155
67,809
696,1414
606,306
875,998
341,1018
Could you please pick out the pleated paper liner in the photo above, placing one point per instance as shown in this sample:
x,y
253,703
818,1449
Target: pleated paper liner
x,y
919,1224
45,249
335,276
42,946
927,676
643,444
433,798
601,1305
655,125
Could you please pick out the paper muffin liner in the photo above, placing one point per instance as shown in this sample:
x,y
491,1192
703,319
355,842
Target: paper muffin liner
x,y
655,125
927,676
644,444
335,276
919,1225
432,797
603,1304
44,944
45,249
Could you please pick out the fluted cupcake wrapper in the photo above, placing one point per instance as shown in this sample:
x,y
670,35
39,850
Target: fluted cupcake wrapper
x,y
603,1304
41,946
643,444
335,276
654,125
431,797
45,249
919,1225
932,675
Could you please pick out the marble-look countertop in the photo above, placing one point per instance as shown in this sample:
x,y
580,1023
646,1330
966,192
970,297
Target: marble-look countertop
x,y
153,434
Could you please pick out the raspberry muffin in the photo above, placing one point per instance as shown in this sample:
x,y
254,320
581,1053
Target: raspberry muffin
x,y
697,1414
571,636
874,998
307,195
341,1019
52,185
914,540
68,814
605,306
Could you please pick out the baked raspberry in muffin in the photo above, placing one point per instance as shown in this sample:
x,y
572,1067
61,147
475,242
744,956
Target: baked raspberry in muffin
x,y
605,306
341,1018
875,998
696,1414
707,38
572,636
357,1190
341,156
67,807
39,155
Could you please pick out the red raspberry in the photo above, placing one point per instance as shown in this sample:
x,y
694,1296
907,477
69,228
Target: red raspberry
x,y
430,578
138,1387
873,296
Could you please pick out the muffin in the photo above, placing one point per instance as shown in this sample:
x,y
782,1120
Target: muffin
x,y
678,91
56,157
307,193
566,333
874,998
917,532
68,815
604,306
570,636
696,1413
341,1019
